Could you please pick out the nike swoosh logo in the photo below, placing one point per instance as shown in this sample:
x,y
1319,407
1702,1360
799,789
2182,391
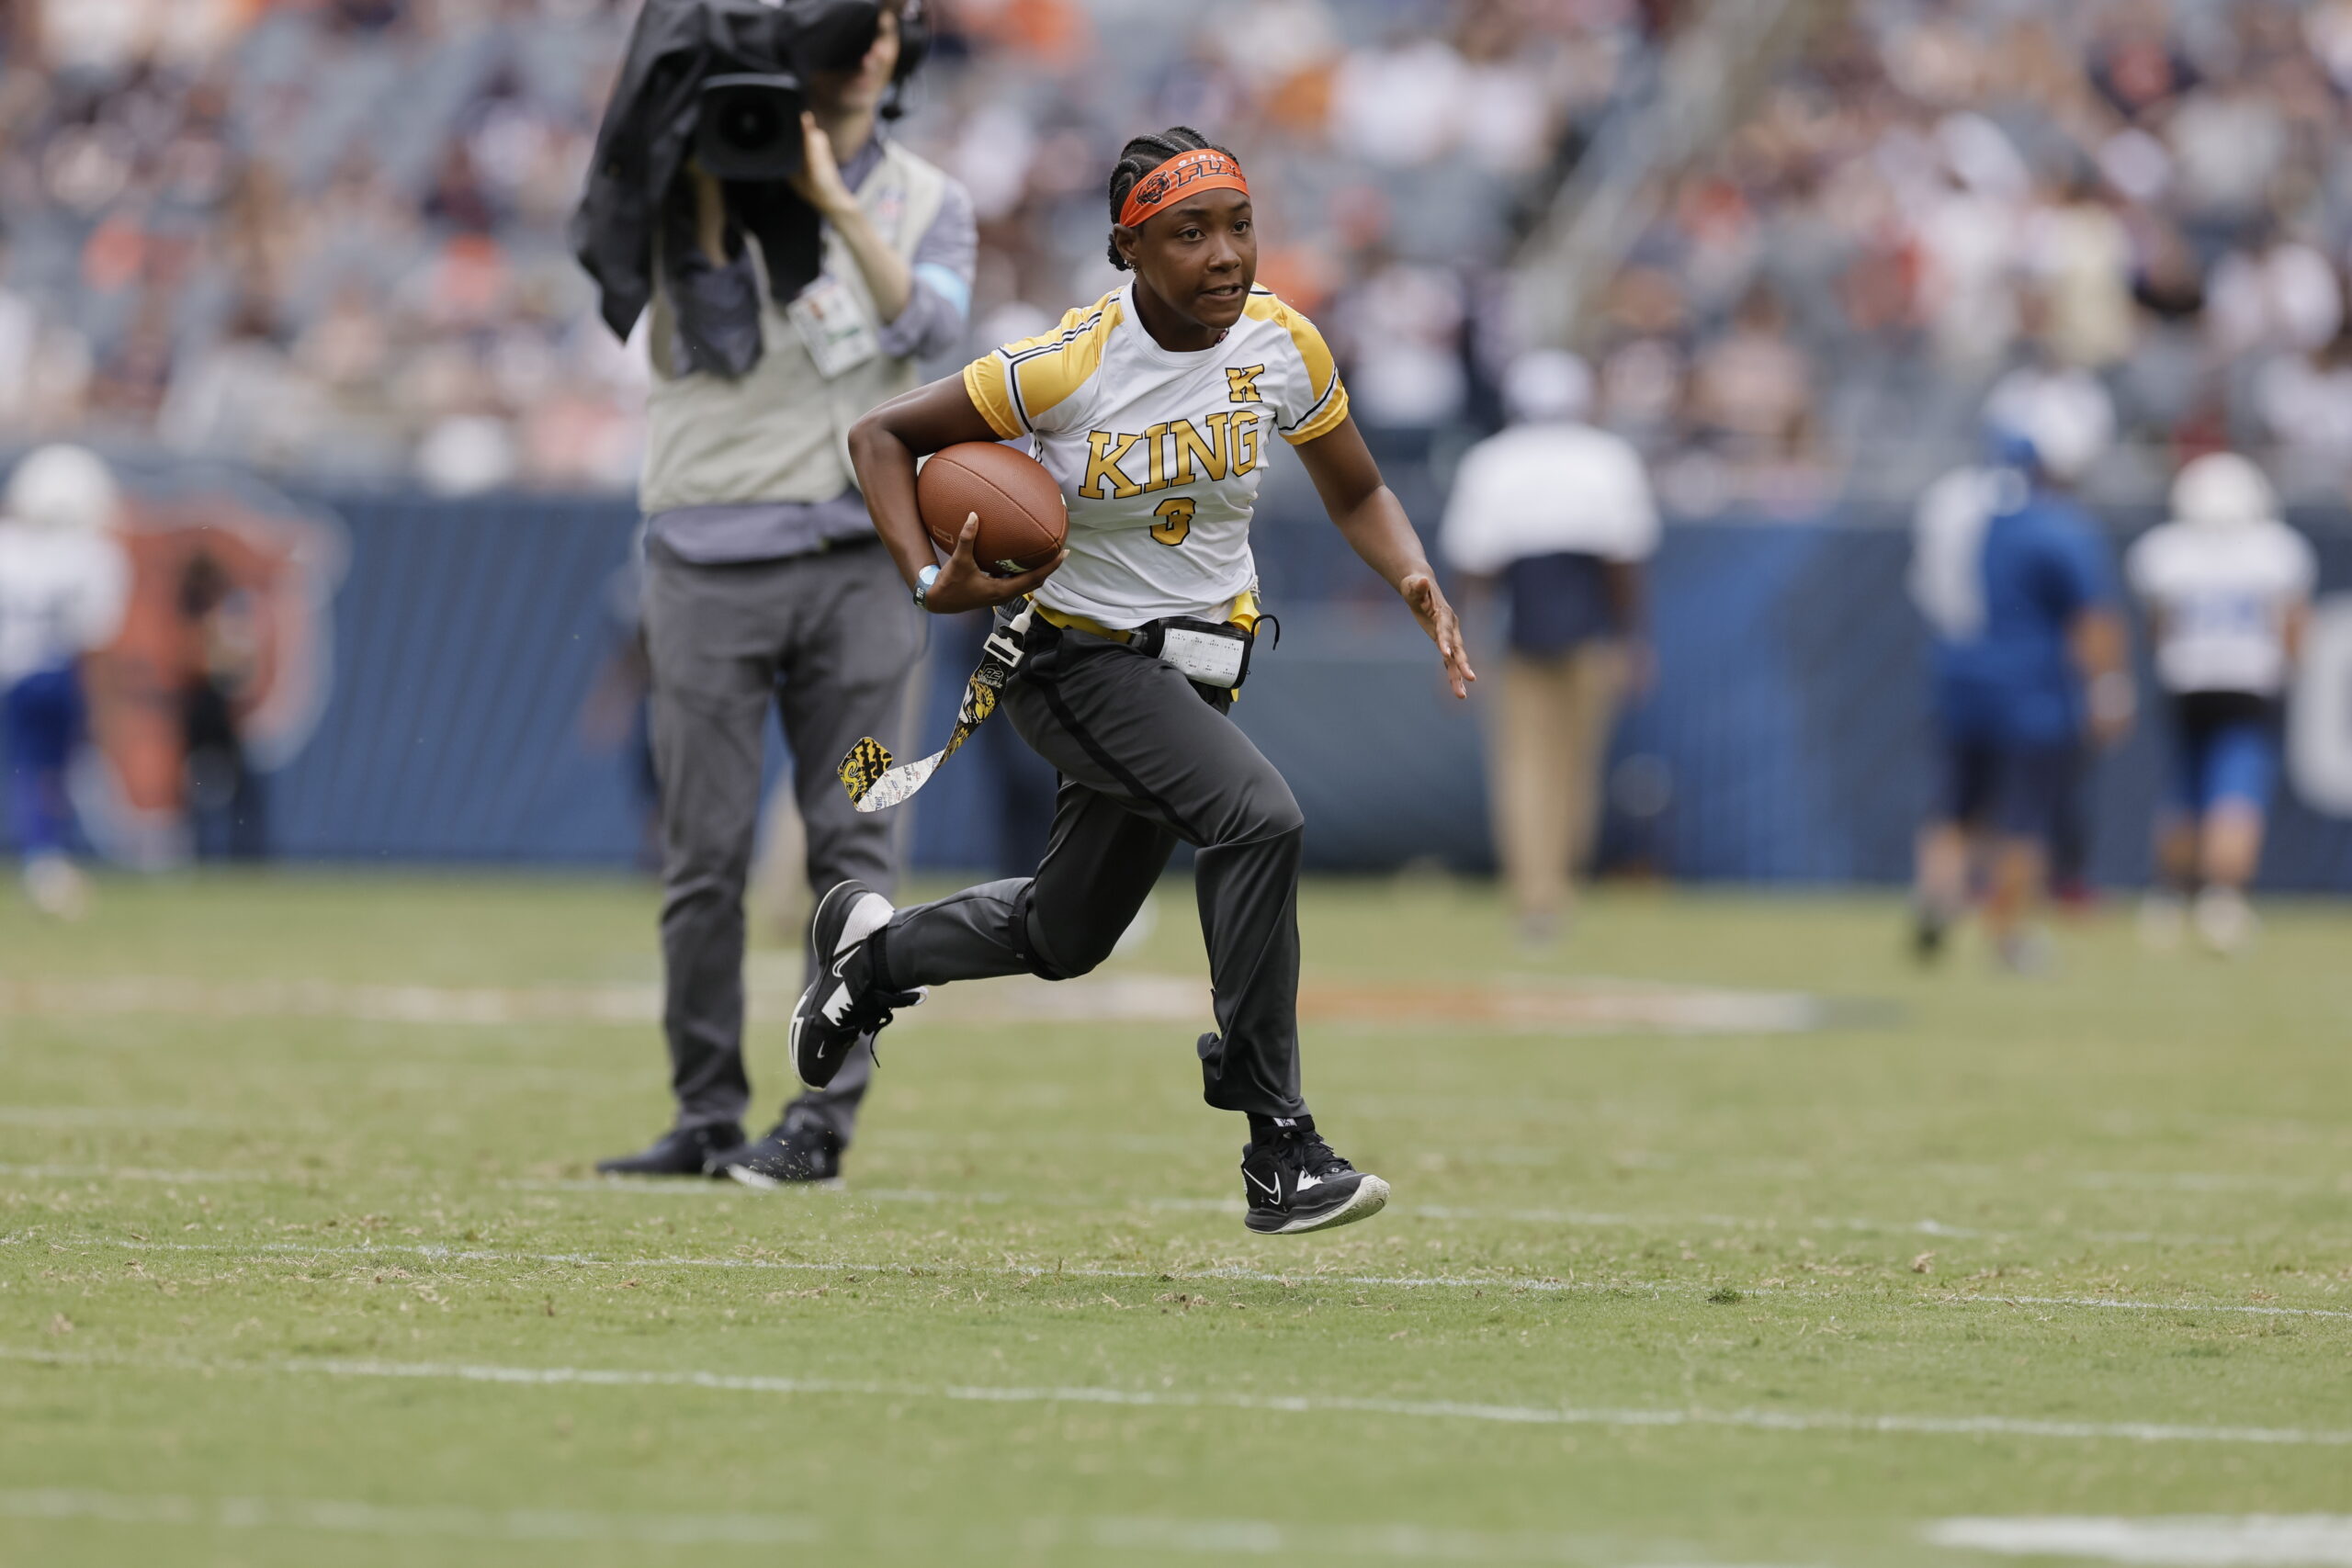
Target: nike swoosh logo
x,y
1272,1190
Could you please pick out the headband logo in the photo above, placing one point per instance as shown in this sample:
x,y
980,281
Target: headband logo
x,y
1205,168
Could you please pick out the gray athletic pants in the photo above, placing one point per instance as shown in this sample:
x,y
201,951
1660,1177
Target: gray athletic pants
x,y
1147,758
828,639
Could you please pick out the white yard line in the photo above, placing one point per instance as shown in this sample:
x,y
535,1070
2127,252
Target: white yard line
x,y
2113,1304
1342,1543
432,1254
1768,1224
1287,1404
1223,1538
1502,1285
1521,1005
1438,1214
2185,1541
132,996
383,1519
106,1116
137,1173
2200,1181
1332,1543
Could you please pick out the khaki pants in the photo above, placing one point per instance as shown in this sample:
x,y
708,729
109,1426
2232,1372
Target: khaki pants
x,y
1546,748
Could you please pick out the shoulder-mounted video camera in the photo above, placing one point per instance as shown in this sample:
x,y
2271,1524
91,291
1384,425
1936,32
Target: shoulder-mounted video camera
x,y
722,83
747,123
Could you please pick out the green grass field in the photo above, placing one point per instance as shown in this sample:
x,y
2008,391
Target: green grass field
x,y
301,1260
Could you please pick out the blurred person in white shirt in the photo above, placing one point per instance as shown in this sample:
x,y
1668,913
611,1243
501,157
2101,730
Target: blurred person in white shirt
x,y
2227,587
2280,294
1399,105
2080,253
1404,328
1559,516
2305,404
1968,211
63,580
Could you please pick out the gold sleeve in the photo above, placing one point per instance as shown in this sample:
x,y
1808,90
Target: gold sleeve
x,y
1327,398
988,381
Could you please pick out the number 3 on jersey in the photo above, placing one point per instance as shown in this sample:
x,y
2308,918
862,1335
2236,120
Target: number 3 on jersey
x,y
1175,517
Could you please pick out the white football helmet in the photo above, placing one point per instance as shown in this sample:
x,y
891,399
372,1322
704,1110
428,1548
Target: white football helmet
x,y
1547,385
2222,489
64,489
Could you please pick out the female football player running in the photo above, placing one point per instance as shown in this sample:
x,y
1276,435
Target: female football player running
x,y
1154,408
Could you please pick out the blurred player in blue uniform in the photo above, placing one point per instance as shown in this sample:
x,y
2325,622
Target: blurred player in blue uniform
x,y
63,580
2227,586
2030,663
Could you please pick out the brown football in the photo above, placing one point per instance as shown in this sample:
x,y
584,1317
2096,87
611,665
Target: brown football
x,y
1022,517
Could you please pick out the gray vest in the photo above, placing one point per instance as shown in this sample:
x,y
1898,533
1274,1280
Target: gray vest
x,y
781,434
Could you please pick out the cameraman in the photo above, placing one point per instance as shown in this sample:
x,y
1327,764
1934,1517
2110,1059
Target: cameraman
x,y
764,579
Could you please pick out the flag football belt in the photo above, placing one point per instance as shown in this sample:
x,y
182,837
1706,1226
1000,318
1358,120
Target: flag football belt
x,y
1213,653
874,784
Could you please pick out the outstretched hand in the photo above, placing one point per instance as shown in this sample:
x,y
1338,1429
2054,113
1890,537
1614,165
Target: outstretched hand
x,y
1438,619
963,584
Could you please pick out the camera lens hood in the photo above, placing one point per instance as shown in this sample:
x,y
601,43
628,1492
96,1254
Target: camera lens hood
x,y
748,126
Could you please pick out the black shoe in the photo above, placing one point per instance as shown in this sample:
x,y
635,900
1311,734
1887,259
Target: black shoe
x,y
840,1005
1929,930
1296,1183
681,1151
792,1152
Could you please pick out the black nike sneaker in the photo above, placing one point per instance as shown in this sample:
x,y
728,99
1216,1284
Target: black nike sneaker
x,y
795,1152
1296,1183
681,1151
842,1005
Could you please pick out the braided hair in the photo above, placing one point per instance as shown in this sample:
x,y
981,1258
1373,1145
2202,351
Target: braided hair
x,y
1139,157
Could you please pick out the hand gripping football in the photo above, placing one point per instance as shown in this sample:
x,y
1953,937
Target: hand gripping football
x,y
1022,517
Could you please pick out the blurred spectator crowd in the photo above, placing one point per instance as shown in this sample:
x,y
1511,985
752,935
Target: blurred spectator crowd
x,y
325,238
2126,219
322,240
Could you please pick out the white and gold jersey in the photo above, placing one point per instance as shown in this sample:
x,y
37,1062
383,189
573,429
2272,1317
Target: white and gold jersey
x,y
1159,454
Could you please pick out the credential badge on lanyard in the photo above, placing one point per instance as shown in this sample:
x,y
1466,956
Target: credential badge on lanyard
x,y
833,323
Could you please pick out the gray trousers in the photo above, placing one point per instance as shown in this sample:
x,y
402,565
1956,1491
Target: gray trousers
x,y
1146,760
829,640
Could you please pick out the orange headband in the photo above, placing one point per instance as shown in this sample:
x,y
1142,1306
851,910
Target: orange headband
x,y
1184,175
